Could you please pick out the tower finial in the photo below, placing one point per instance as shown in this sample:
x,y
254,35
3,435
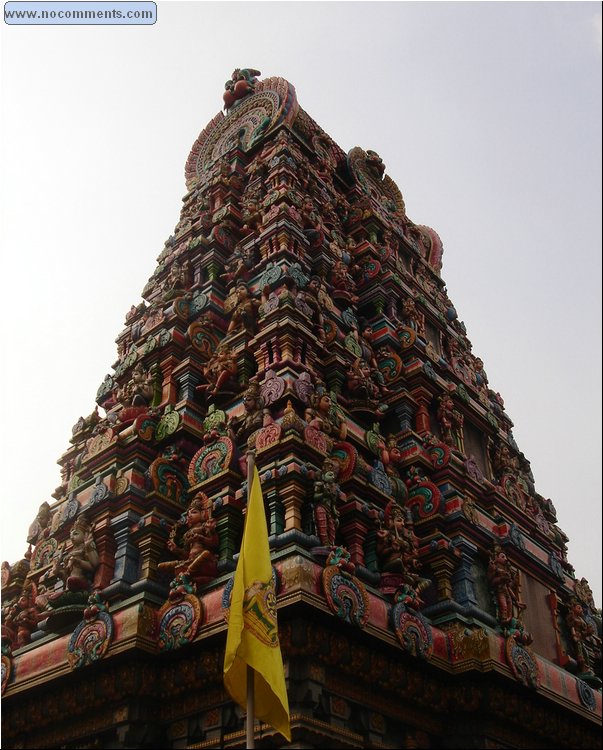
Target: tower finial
x,y
241,83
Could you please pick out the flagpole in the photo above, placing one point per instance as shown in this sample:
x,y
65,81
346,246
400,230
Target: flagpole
x,y
250,718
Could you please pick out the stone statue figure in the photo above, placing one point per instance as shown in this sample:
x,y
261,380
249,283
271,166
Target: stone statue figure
x,y
220,371
504,579
255,415
583,635
196,548
82,559
326,497
324,416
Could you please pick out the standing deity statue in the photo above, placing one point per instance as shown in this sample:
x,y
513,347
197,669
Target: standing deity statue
x,y
343,283
20,619
245,312
326,498
309,295
583,635
361,381
504,579
451,421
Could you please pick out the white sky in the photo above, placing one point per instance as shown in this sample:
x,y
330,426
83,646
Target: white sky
x,y
487,115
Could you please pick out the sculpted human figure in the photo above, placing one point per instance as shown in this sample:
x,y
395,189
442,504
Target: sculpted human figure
x,y
323,416
451,420
583,635
245,312
398,554
365,340
140,389
175,283
196,552
22,619
412,317
77,565
311,223
343,282
255,415
309,296
503,461
504,579
393,456
238,266
397,545
326,497
583,589
252,212
360,381
220,371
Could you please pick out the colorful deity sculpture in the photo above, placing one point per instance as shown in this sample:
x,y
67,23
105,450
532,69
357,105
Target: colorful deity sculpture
x,y
20,619
504,580
326,499
322,415
76,565
240,84
398,554
143,388
309,295
255,415
361,381
239,264
343,283
451,421
220,371
583,635
195,548
397,544
245,312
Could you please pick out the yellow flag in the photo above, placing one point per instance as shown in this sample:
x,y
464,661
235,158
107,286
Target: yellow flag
x,y
252,628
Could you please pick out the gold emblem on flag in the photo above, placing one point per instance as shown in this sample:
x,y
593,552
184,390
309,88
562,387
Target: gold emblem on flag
x,y
259,608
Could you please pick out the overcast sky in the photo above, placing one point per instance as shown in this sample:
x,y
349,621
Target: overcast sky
x,y
487,116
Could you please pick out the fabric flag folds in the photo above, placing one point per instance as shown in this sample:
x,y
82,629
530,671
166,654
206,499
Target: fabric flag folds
x,y
252,638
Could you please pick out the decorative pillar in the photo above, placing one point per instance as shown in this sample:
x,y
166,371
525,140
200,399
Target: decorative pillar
x,y
422,422
105,545
229,525
354,531
126,553
150,536
404,413
462,580
187,381
553,602
443,559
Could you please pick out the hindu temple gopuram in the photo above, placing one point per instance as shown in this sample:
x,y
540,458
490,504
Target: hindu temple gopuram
x,y
425,598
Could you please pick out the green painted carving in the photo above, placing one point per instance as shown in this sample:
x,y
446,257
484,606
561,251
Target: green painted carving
x,y
352,345
168,424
